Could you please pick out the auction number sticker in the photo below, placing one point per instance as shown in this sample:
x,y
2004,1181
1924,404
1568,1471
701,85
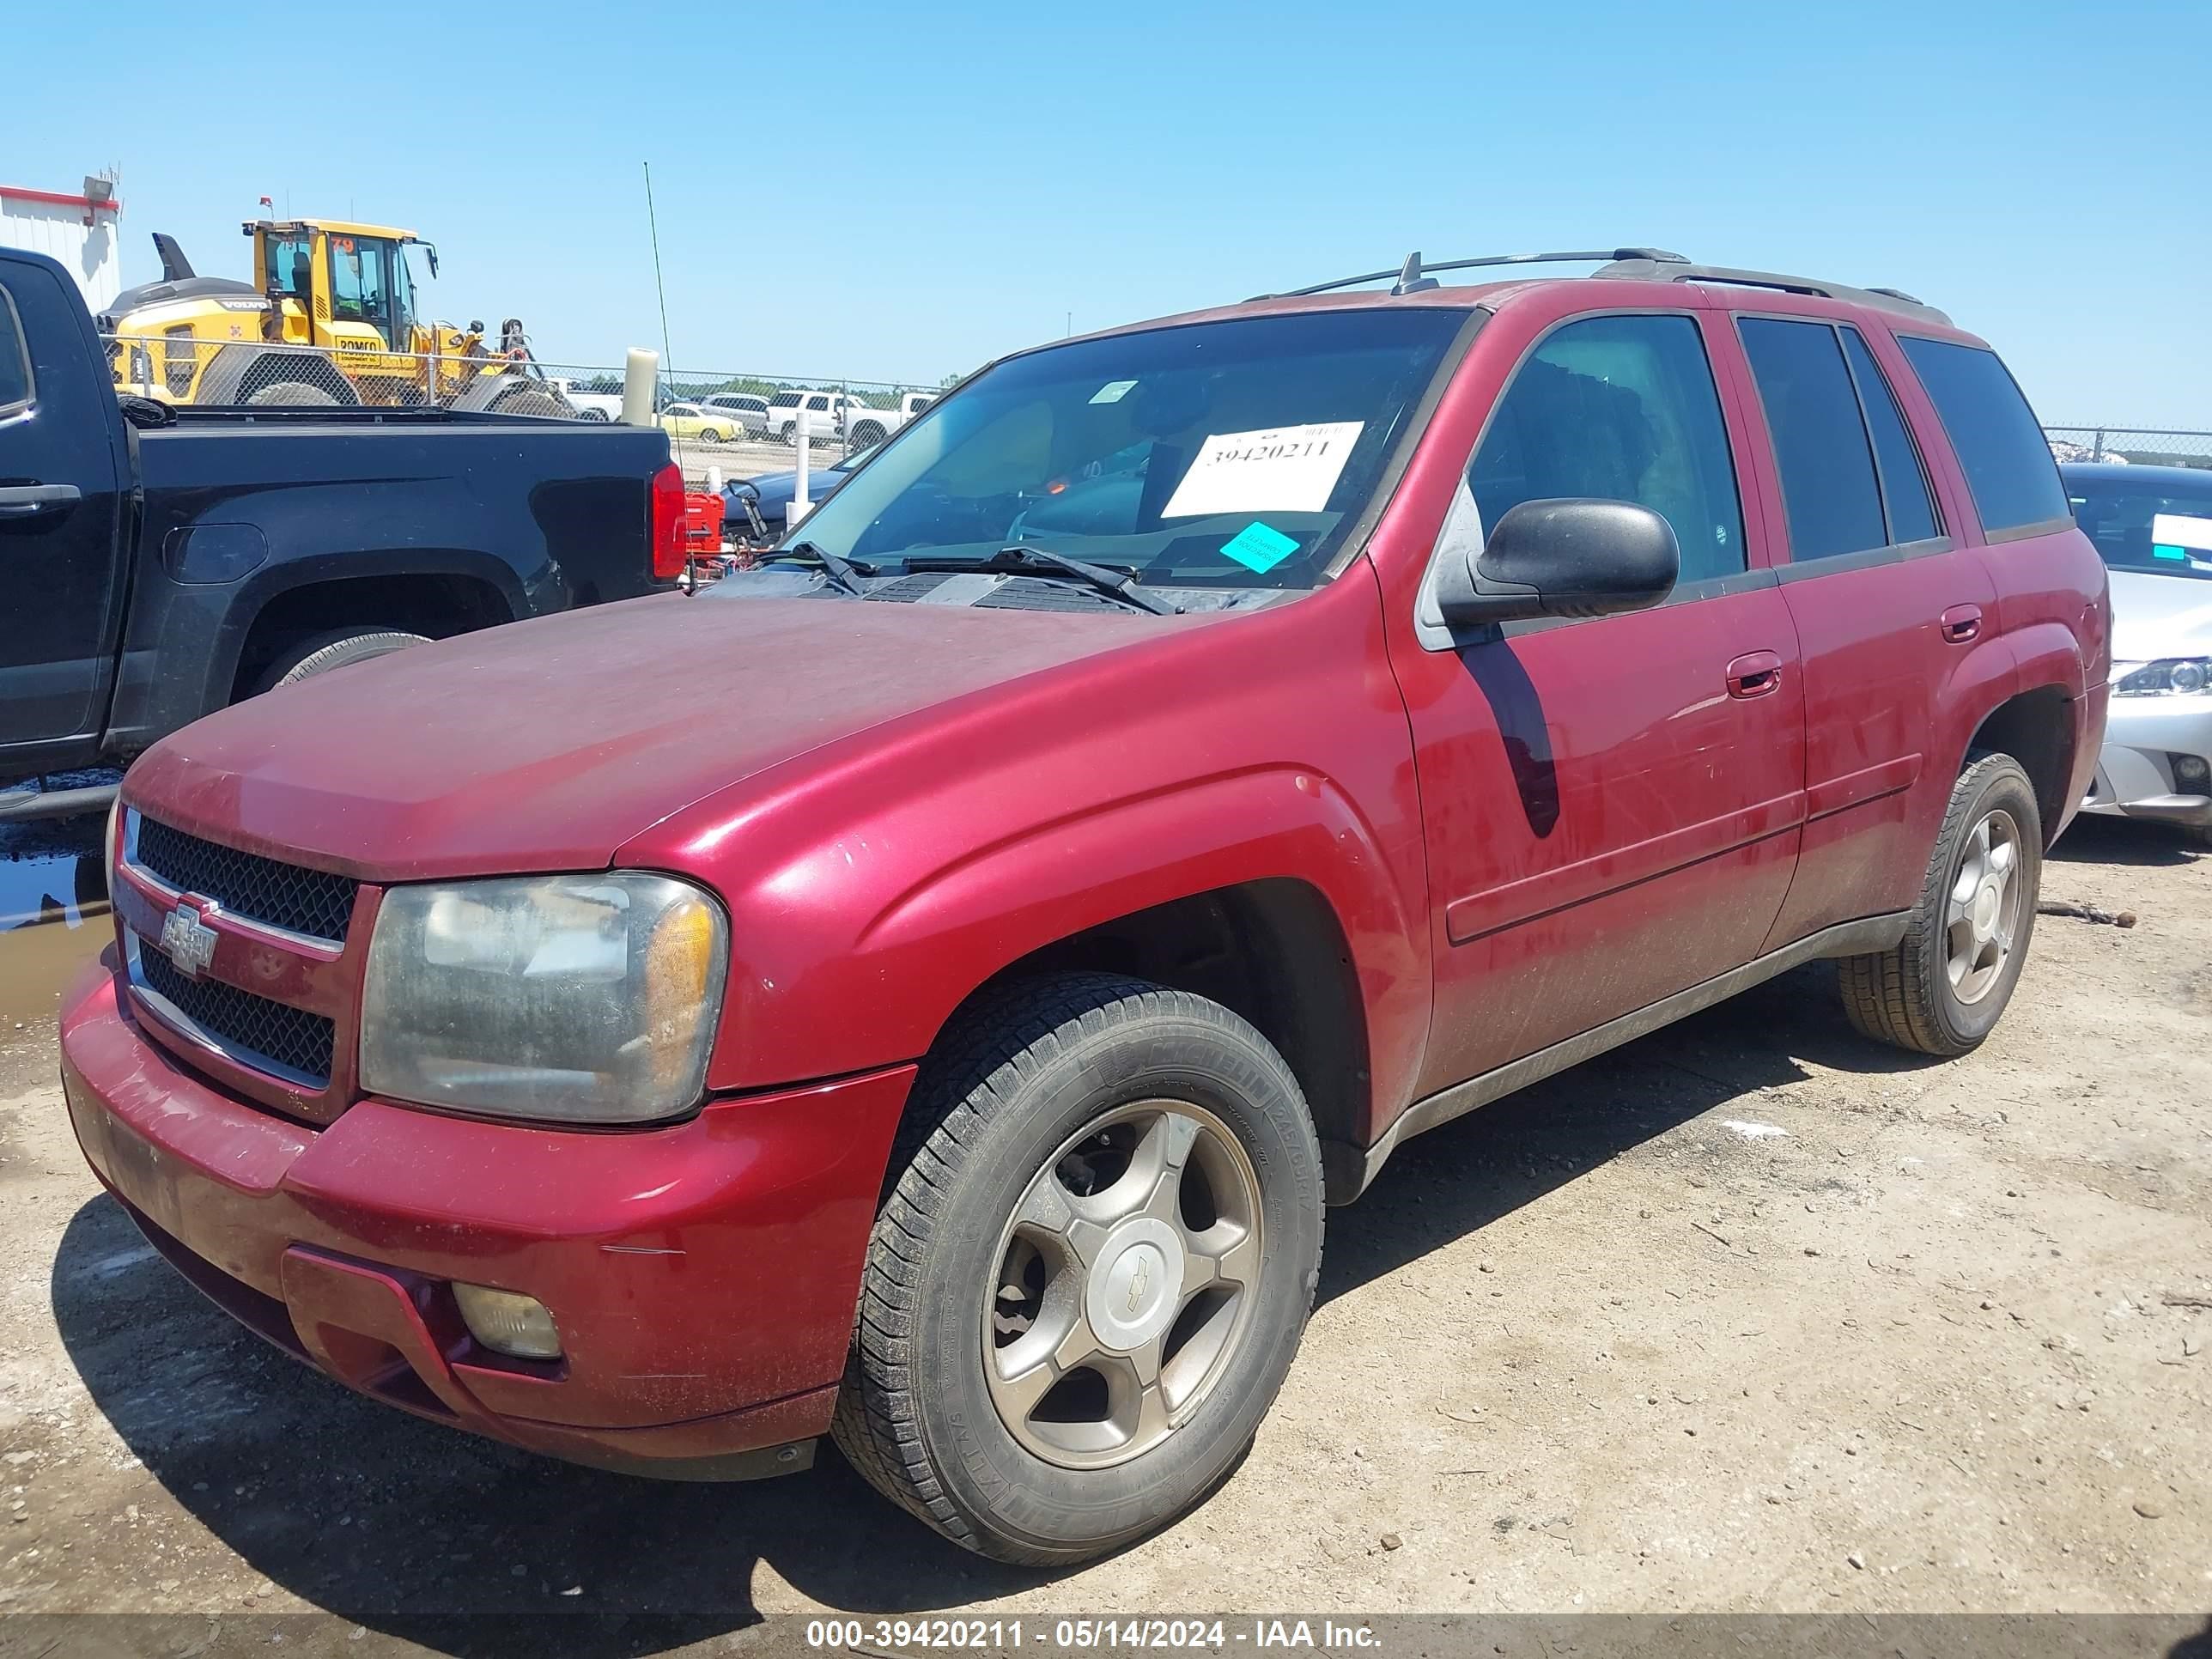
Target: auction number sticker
x,y
1283,469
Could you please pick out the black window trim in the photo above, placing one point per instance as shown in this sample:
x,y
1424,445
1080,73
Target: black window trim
x,y
2019,532
1450,638
1911,440
1793,569
11,326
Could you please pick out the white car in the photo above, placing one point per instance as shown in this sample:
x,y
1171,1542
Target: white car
x,y
834,415
2154,526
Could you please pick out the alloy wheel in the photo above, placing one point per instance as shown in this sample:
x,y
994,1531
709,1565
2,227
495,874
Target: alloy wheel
x,y
1981,917
1126,1278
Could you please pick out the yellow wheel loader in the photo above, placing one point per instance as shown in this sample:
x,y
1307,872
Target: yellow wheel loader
x,y
331,317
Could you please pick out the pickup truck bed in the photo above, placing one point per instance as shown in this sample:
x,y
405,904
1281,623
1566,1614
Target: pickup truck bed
x,y
188,562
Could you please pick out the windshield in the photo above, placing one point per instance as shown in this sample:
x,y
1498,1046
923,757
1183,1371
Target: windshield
x,y
1233,454
2161,529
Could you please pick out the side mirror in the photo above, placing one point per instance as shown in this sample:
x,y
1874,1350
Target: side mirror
x,y
1563,558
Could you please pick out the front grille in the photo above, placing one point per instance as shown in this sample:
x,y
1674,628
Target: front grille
x,y
249,1028
310,901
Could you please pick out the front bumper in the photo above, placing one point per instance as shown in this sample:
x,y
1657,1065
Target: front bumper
x,y
2135,769
703,1275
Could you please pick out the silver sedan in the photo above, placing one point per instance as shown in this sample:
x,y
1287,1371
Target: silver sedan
x,y
2154,526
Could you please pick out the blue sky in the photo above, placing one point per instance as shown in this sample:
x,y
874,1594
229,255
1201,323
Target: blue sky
x,y
893,192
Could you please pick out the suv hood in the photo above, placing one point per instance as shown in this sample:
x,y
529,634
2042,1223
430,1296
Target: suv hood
x,y
547,745
2155,617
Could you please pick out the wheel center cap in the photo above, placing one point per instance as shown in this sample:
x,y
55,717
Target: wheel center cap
x,y
1985,910
1136,1285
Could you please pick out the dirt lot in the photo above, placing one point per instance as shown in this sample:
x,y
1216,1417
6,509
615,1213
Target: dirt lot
x,y
1752,1315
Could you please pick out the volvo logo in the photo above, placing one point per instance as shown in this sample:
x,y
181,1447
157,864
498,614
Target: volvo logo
x,y
1140,1282
188,942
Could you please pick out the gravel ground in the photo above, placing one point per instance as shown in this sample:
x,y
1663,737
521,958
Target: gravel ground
x,y
1752,1315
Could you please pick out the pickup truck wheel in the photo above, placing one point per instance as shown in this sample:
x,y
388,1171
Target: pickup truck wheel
x,y
867,435
328,651
1090,1270
1942,989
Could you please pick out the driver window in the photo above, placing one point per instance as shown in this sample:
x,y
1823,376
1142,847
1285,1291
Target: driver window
x,y
1620,409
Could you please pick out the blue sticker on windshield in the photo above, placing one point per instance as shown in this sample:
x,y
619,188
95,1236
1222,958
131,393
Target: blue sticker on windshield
x,y
1256,547
2163,551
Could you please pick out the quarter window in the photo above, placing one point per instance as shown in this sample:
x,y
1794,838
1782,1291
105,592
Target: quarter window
x,y
2008,467
1820,449
1903,485
1621,409
15,359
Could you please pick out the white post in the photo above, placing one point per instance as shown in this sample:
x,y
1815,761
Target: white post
x,y
799,505
641,376
713,480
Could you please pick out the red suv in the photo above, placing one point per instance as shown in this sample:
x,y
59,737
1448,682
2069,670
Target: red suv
x,y
1178,767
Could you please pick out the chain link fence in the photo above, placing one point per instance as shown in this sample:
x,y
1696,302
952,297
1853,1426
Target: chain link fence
x,y
2140,445
175,367
701,409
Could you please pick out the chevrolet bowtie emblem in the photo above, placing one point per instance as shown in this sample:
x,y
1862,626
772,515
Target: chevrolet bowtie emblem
x,y
1140,1282
188,942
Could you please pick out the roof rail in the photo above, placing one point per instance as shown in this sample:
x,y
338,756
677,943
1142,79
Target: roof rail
x,y
1412,275
1668,268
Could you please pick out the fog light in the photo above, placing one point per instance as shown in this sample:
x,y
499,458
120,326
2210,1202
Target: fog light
x,y
2191,775
509,1322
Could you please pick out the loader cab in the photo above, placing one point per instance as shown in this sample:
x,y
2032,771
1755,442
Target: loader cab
x,y
336,274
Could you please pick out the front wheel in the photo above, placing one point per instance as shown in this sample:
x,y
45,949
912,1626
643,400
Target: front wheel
x,y
1091,1272
1942,989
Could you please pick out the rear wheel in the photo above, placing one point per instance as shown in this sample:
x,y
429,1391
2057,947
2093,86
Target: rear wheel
x,y
1942,989
867,435
337,650
1092,1270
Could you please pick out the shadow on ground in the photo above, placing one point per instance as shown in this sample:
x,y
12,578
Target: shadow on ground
x,y
403,1526
2136,842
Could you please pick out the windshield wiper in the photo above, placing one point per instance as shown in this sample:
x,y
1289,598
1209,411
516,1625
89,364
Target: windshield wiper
x,y
1046,565
842,572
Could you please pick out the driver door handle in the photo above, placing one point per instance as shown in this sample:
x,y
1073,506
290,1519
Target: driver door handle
x,y
1962,623
1755,674
27,500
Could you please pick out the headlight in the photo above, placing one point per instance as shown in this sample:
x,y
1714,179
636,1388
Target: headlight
x,y
573,999
2180,676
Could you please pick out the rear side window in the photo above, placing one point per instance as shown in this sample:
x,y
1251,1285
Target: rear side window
x,y
15,359
1828,487
1623,409
1903,485
2008,464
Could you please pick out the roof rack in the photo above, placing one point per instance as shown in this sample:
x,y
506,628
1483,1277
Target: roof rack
x,y
1413,278
1671,269
1648,265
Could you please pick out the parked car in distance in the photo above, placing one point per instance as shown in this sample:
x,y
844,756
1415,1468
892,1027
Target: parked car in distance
x,y
601,406
703,425
771,493
833,416
2153,525
747,409
203,554
1228,748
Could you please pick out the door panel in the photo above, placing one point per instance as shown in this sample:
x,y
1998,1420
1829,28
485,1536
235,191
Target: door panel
x,y
60,514
1868,591
1611,805
1607,825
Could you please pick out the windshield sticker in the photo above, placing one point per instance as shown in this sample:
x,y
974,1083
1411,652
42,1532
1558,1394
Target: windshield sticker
x,y
1259,547
2182,530
1113,392
1284,468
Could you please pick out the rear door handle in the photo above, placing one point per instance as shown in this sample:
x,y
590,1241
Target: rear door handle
x,y
27,501
1755,674
1962,623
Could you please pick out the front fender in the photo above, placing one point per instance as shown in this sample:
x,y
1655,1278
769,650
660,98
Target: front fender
x,y
842,961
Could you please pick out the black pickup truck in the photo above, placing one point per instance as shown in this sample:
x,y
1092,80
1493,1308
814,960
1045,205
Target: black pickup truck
x,y
157,564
